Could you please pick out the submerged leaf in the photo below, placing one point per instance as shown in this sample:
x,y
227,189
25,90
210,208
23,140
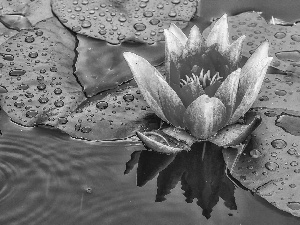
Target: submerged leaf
x,y
118,21
101,66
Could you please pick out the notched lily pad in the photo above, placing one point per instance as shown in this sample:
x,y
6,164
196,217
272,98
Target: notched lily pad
x,y
270,164
111,116
34,10
121,20
36,70
284,40
101,66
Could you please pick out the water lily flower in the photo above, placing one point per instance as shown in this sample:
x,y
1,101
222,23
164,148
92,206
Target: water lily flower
x,y
204,91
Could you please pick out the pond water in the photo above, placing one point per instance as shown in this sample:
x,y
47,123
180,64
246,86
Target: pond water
x,y
46,177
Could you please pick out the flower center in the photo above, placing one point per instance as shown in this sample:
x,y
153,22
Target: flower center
x,y
202,79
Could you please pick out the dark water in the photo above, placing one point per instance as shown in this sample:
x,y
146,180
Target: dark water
x,y
48,178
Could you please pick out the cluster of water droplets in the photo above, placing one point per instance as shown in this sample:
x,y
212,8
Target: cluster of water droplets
x,y
284,40
126,20
36,82
113,115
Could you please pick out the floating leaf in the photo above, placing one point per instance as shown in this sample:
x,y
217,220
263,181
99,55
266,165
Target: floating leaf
x,y
118,21
34,10
111,116
270,164
37,73
101,66
284,40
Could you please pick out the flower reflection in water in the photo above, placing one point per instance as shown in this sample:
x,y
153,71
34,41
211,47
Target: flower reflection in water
x,y
203,180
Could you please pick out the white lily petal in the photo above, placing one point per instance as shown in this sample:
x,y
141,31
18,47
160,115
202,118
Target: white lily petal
x,y
219,35
195,41
234,51
252,86
204,116
178,33
161,98
173,50
227,92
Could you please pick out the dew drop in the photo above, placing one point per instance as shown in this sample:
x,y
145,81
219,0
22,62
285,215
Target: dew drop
x,y
43,100
148,14
29,95
295,37
292,151
8,57
29,39
272,166
280,92
293,205
278,144
139,26
23,87
294,163
33,54
154,21
76,28
57,91
62,120
41,86
289,123
102,105
86,129
263,98
31,113
59,103
172,14
19,104
297,170
291,56
86,24
280,35
252,25
128,97
17,72
39,33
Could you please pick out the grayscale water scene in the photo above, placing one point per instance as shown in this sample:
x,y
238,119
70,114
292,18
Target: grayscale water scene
x,y
149,112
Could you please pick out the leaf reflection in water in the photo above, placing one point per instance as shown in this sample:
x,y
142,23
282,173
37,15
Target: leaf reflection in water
x,y
204,180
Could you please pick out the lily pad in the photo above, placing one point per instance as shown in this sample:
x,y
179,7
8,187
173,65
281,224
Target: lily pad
x,y
37,73
108,116
34,10
284,40
270,164
101,66
124,20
